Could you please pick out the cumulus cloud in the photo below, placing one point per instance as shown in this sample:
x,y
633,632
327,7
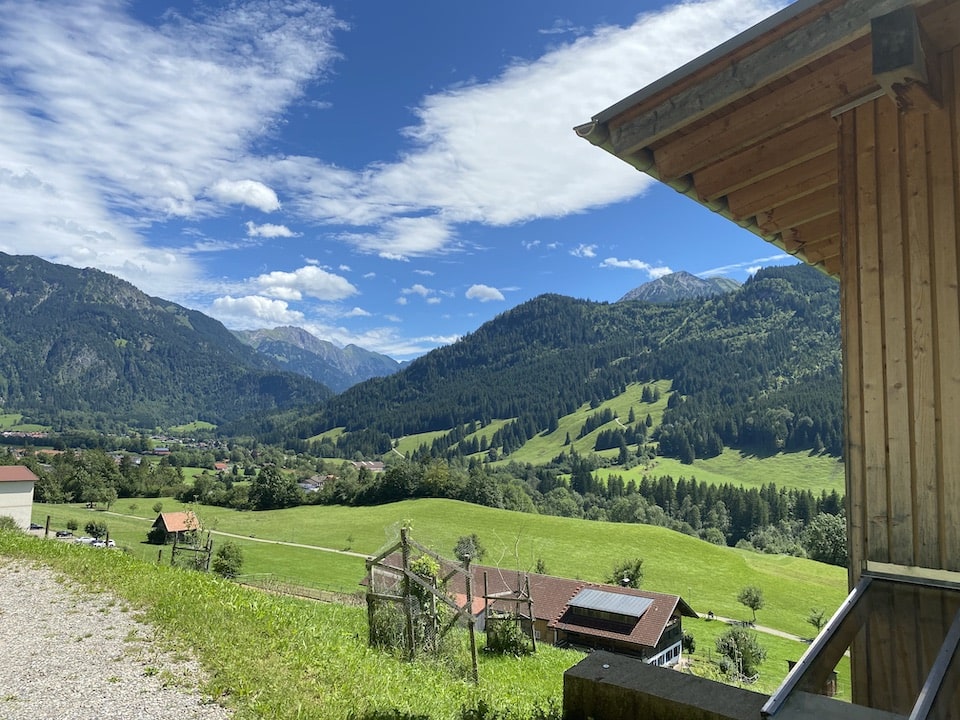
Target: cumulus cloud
x,y
309,280
653,271
587,251
253,311
268,230
417,289
245,192
357,312
484,293
110,124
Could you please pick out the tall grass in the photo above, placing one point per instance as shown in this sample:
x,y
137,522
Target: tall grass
x,y
277,657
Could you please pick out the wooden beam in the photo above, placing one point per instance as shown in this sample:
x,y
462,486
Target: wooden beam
x,y
766,158
846,76
789,184
823,228
901,61
820,251
802,210
734,80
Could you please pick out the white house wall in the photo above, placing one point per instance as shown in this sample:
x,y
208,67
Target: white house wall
x,y
16,500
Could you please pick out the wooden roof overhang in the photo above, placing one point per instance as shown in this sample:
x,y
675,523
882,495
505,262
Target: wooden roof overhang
x,y
748,131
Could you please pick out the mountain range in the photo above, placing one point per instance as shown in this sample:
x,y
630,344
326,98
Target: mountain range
x,y
680,286
82,348
296,350
756,366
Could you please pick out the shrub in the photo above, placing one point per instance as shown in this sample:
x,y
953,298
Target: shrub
x,y
157,535
228,560
742,651
688,642
8,523
96,528
505,636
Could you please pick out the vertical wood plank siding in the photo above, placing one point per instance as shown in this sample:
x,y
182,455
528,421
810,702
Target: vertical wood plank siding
x,y
900,279
900,185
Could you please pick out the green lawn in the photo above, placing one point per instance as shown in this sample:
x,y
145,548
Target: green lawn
x,y
707,576
279,657
772,670
801,470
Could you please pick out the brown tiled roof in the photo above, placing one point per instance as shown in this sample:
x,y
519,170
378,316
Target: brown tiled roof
x,y
551,597
178,521
16,473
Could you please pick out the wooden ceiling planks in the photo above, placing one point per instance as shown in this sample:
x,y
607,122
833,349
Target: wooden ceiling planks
x,y
817,93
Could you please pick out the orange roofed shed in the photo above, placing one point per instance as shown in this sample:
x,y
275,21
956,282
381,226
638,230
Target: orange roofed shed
x,y
832,130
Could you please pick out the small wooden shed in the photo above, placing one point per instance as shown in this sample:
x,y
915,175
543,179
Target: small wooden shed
x,y
832,130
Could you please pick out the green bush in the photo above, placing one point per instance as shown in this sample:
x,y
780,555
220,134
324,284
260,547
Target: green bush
x,y
8,523
506,637
96,528
228,560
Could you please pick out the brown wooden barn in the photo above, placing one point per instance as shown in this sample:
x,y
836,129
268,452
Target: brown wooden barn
x,y
832,130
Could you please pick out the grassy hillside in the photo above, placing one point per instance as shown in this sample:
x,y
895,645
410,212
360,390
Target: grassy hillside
x,y
276,657
708,576
803,470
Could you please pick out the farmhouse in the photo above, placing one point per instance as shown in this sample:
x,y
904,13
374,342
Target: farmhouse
x,y
566,612
831,131
16,493
176,524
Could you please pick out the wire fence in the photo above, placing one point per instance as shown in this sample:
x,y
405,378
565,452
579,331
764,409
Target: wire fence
x,y
270,582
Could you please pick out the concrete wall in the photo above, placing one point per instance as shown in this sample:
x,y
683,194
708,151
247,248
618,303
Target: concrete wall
x,y
604,686
16,500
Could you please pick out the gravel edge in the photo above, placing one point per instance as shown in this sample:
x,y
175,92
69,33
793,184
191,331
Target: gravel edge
x,y
85,656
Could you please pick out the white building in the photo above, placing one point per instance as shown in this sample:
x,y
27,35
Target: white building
x,y
16,493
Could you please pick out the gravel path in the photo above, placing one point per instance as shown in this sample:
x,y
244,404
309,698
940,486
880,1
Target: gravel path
x,y
82,656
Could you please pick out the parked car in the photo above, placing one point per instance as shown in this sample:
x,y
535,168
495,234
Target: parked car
x,y
98,544
85,540
64,533
34,526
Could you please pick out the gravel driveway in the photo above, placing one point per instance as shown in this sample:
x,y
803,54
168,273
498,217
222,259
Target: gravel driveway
x,y
82,656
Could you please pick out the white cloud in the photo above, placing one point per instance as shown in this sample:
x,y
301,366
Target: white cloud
x,y
587,251
403,237
486,152
428,273
433,300
357,312
253,312
653,271
245,192
417,289
751,266
484,293
110,125
268,230
402,300
309,280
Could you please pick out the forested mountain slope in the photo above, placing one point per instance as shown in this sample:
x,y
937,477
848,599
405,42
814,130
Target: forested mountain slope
x,y
82,348
757,368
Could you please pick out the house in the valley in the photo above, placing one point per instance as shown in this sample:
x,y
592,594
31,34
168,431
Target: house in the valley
x,y
175,525
567,612
16,493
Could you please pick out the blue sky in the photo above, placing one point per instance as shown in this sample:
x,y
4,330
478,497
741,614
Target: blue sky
x,y
390,174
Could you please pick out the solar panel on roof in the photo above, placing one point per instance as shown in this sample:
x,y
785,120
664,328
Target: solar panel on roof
x,y
619,603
